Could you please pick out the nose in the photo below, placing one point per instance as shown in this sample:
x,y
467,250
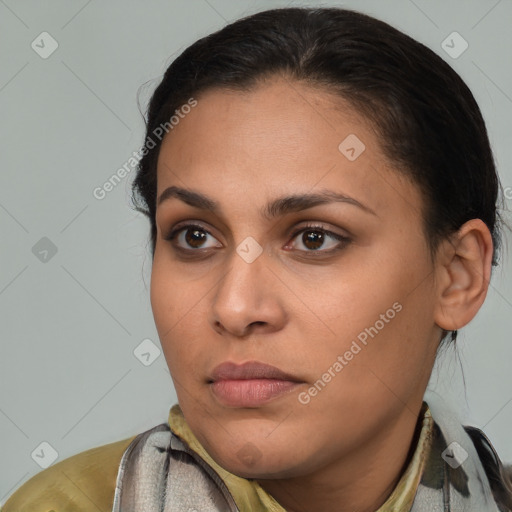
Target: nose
x,y
248,299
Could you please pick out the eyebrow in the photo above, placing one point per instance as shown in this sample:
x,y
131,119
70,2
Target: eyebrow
x,y
275,208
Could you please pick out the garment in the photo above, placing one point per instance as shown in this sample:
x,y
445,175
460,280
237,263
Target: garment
x,y
249,495
166,469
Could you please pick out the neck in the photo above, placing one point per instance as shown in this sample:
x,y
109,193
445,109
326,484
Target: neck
x,y
359,481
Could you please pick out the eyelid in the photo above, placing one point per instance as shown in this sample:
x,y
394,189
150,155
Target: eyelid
x,y
309,224
312,225
187,224
343,240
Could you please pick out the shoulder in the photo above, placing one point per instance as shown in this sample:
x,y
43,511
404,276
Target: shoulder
x,y
85,481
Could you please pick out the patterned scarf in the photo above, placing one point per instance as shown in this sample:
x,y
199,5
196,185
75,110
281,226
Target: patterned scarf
x,y
166,469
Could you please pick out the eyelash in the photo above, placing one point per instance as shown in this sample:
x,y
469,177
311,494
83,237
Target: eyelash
x,y
344,240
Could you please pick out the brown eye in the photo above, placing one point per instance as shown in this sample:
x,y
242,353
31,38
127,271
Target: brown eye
x,y
195,237
316,239
313,239
190,236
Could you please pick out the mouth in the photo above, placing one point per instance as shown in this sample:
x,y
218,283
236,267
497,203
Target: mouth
x,y
251,384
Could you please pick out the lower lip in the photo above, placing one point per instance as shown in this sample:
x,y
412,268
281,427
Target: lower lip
x,y
250,392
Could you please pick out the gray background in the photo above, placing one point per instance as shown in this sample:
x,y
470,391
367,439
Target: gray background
x,y
69,324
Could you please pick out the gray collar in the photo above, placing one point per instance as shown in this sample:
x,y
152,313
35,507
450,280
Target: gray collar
x,y
454,478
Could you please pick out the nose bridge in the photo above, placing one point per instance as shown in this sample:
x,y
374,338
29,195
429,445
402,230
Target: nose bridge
x,y
240,286
243,296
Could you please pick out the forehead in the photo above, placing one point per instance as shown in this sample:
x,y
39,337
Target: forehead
x,y
280,137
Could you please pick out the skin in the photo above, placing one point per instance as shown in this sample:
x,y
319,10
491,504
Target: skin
x,y
347,447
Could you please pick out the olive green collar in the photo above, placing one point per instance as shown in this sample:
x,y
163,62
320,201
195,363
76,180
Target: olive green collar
x,y
249,495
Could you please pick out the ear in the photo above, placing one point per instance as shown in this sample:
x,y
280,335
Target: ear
x,y
463,272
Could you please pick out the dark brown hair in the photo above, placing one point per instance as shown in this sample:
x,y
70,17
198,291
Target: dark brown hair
x,y
430,124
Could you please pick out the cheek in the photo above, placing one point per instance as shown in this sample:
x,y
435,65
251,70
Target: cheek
x,y
381,311
161,300
177,309
353,297
169,297
164,304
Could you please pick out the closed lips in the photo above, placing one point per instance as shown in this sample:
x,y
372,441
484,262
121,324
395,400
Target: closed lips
x,y
250,370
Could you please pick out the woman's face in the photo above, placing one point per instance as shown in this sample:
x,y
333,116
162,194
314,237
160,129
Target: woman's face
x,y
336,294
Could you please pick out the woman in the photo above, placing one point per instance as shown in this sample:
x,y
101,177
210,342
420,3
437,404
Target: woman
x,y
323,210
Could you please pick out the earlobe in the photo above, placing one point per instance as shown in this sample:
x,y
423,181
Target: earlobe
x,y
463,275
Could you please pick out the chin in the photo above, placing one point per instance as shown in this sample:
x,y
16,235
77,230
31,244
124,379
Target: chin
x,y
260,459
260,470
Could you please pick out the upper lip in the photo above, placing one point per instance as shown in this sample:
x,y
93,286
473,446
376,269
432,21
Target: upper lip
x,y
249,370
